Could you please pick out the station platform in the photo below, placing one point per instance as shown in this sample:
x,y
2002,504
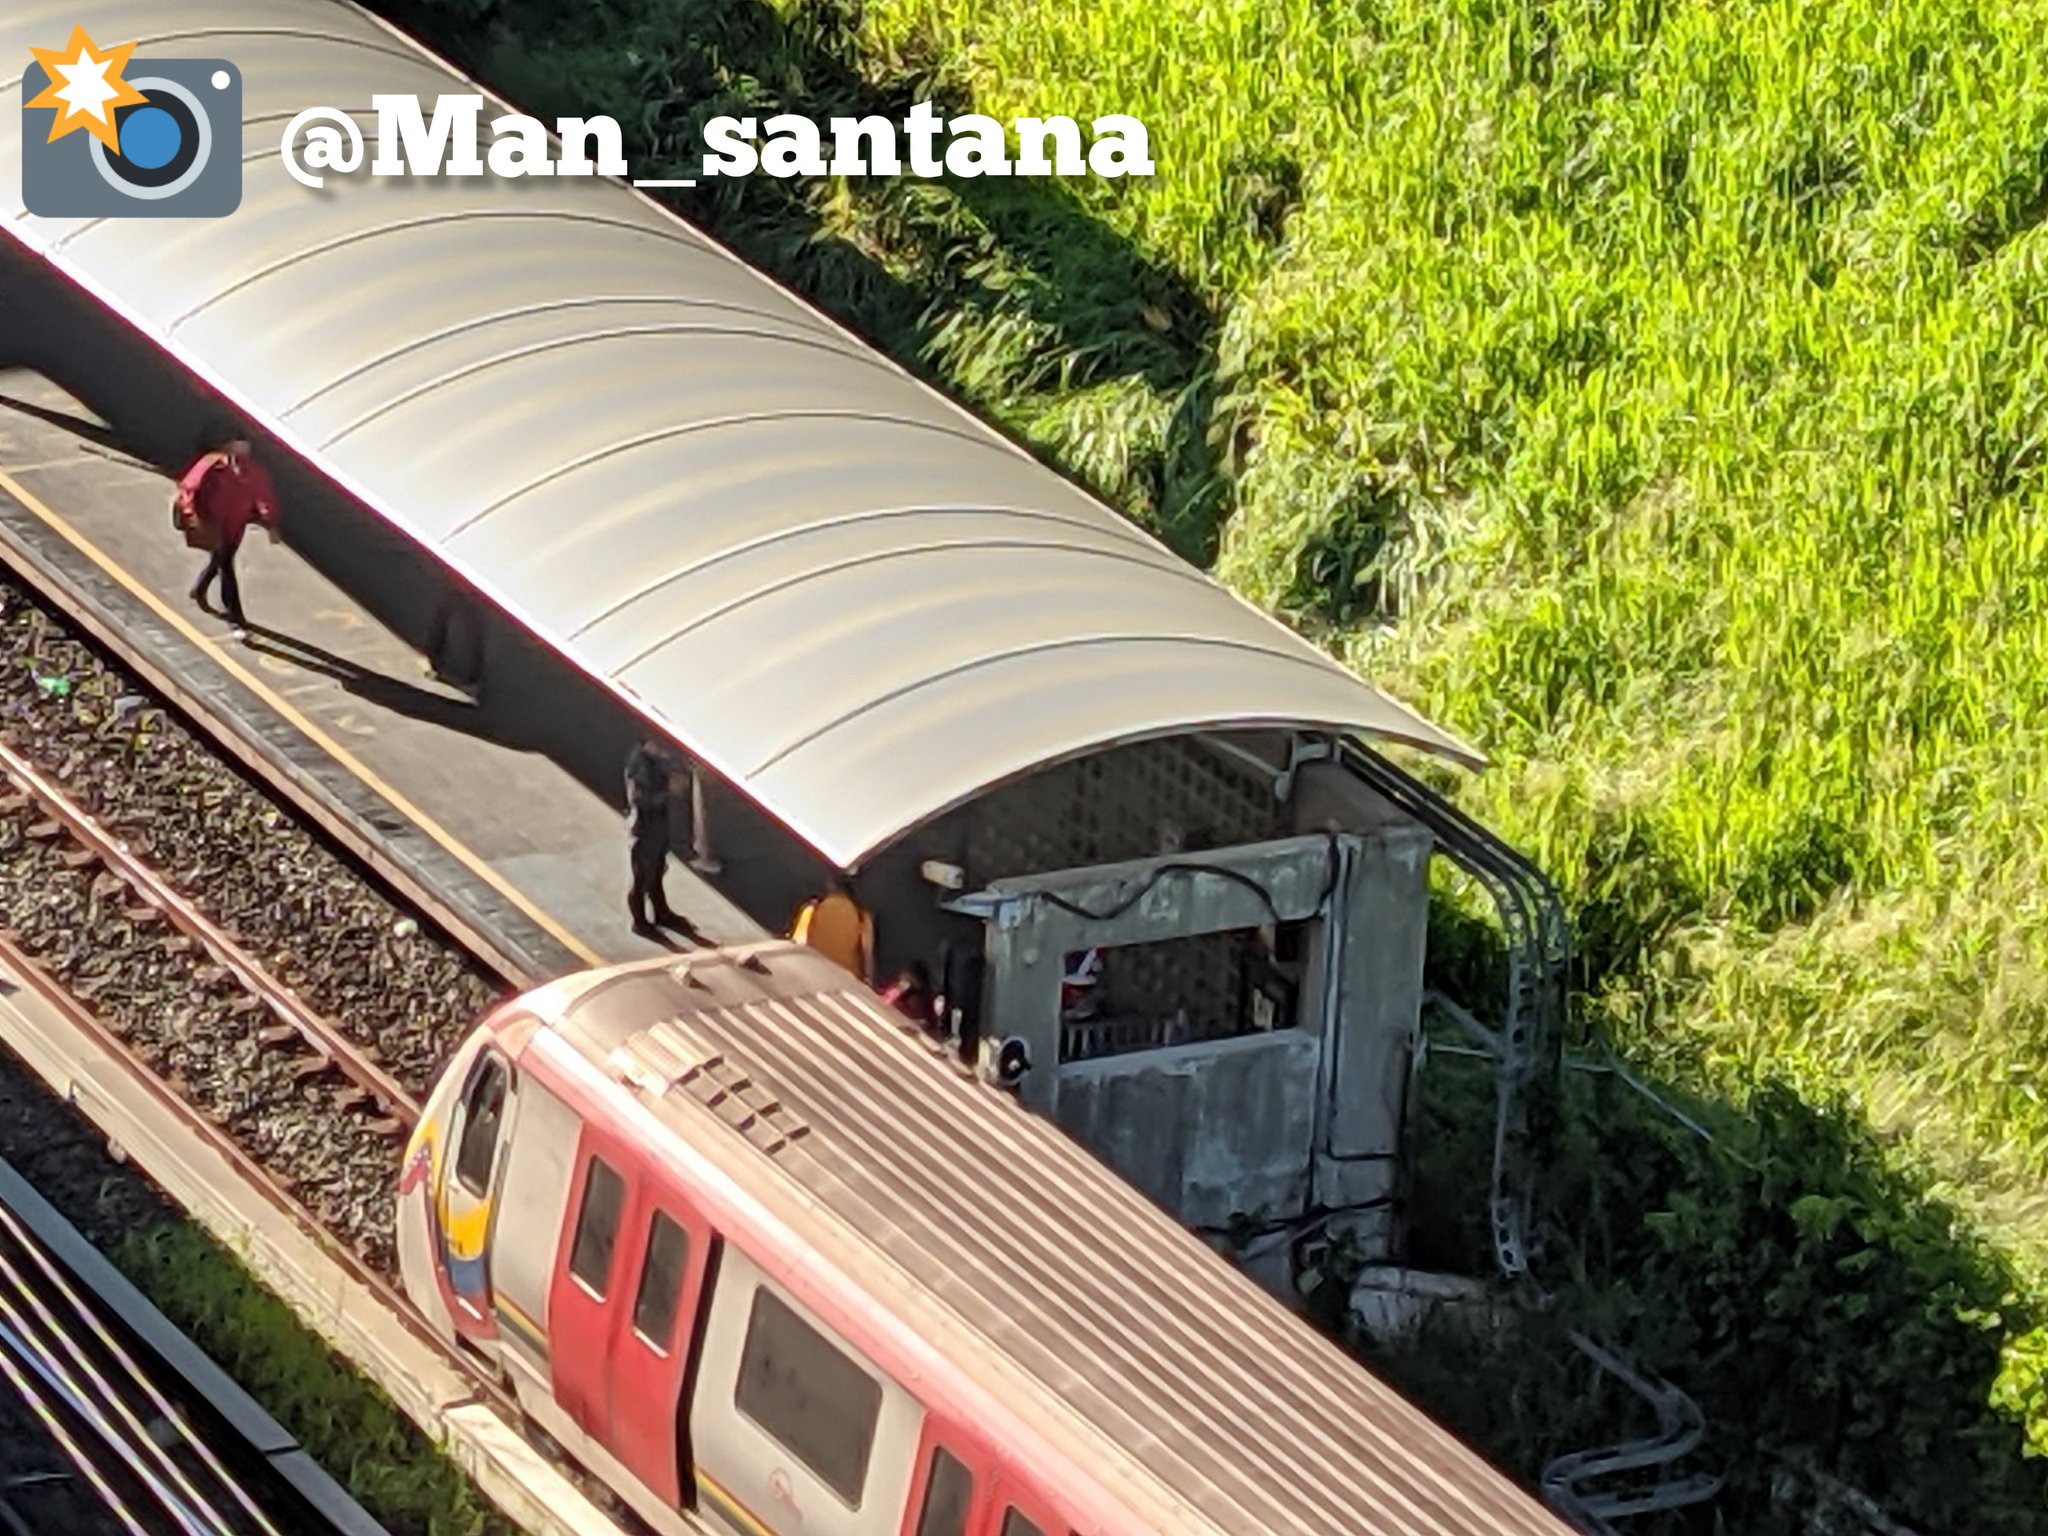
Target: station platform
x,y
470,801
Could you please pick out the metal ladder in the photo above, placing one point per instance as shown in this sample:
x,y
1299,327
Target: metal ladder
x,y
1528,1051
1529,1042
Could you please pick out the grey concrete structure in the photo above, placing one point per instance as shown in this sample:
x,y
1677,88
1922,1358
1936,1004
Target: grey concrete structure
x,y
1264,1123
1210,1131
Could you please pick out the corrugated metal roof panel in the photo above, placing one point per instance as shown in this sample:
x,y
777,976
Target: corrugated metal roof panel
x,y
831,583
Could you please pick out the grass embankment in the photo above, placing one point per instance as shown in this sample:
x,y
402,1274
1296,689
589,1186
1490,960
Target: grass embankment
x,y
340,1418
1675,375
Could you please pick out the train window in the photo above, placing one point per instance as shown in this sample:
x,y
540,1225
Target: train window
x,y
948,1497
597,1227
1014,1524
483,1108
661,1281
799,1387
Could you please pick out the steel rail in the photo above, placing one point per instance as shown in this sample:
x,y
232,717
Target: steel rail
x,y
53,1422
134,1451
356,835
146,1387
321,1035
116,1392
92,1401
483,1388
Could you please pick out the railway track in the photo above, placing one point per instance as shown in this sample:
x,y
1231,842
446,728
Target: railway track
x,y
42,813
89,1442
154,894
271,998
230,955
79,936
231,838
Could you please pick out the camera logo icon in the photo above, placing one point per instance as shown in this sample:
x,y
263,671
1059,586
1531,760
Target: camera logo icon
x,y
107,136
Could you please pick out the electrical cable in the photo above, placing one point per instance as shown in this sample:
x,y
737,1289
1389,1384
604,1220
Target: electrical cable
x,y
1196,867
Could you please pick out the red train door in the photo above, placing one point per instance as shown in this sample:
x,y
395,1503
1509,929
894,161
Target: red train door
x,y
948,1487
583,1295
662,1273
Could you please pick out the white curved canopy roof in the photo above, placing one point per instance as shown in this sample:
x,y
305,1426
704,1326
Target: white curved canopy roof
x,y
839,589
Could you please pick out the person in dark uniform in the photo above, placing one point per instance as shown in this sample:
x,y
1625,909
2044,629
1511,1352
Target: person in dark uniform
x,y
650,772
961,968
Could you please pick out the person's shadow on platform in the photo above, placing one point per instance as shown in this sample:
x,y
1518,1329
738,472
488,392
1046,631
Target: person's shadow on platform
x,y
373,687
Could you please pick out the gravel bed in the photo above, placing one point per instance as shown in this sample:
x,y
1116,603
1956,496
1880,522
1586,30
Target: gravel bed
x,y
65,1157
321,925
189,1019
325,927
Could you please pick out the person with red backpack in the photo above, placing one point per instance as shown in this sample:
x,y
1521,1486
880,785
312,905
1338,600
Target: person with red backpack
x,y
218,497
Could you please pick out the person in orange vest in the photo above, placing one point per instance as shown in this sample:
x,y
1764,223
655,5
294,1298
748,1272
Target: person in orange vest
x,y
839,927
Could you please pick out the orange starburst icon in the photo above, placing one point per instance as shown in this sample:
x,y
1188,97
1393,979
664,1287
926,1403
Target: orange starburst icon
x,y
85,87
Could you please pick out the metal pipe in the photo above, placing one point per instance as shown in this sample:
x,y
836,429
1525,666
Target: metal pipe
x,y
1335,936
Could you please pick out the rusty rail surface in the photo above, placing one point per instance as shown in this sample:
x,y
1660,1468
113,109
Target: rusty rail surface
x,y
330,1047
26,970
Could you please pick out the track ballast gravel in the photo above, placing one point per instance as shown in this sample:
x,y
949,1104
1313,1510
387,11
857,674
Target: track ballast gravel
x,y
322,925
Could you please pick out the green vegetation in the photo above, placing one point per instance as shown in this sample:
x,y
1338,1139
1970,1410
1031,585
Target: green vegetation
x,y
341,1419
1656,392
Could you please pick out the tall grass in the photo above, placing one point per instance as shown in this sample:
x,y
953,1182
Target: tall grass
x,y
342,1420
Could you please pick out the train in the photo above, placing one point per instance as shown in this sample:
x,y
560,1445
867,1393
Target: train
x,y
763,1256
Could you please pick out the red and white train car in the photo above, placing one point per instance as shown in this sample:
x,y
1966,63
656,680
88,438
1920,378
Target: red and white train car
x,y
765,1259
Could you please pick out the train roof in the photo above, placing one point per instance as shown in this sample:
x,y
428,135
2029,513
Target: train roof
x,y
842,591
1154,1351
